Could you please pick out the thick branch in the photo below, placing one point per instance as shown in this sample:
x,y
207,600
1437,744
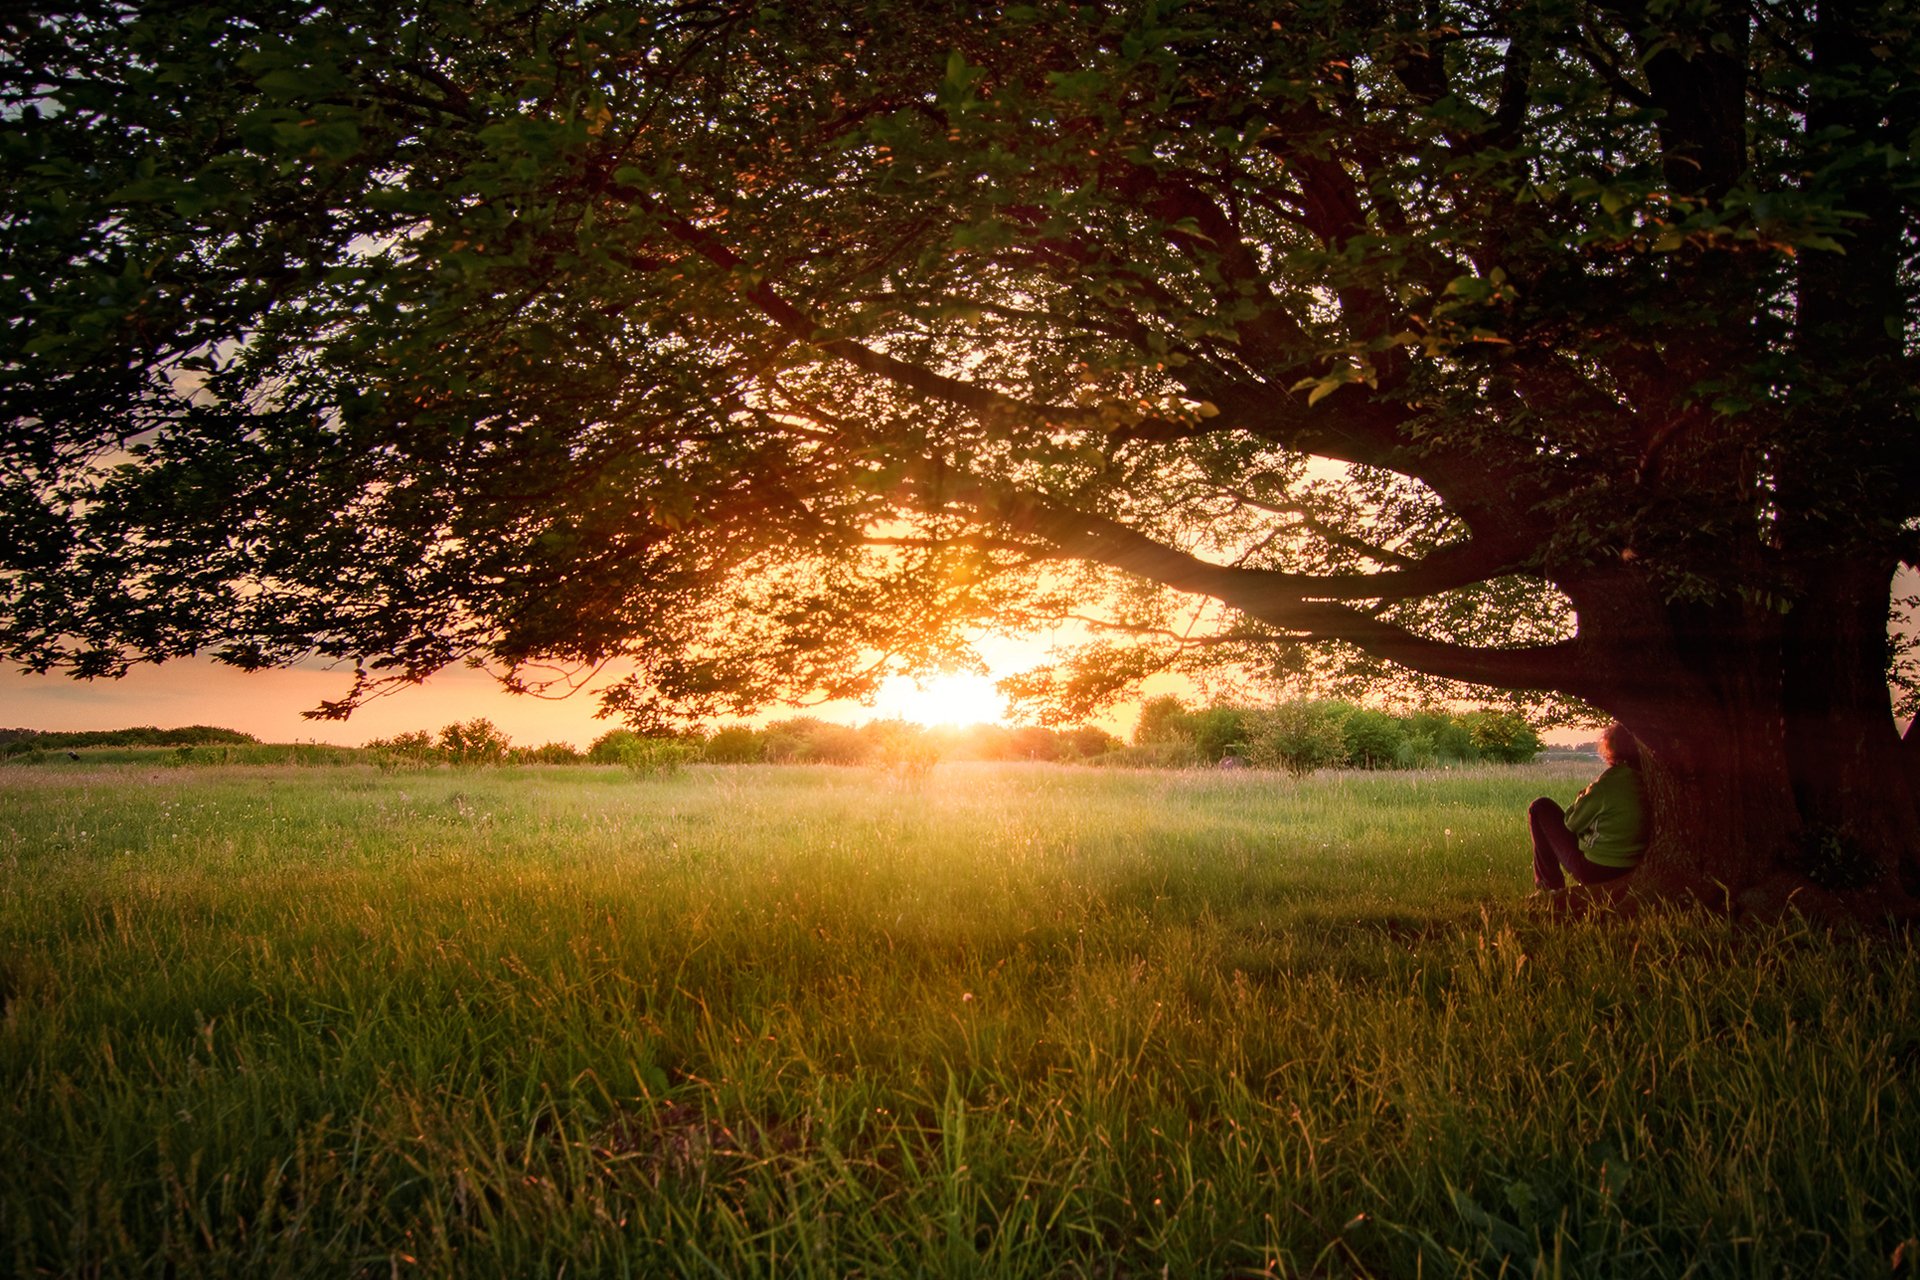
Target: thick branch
x,y
1282,600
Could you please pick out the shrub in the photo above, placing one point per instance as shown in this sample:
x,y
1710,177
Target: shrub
x,y
1033,743
475,742
785,741
1416,750
837,744
1162,719
1372,738
415,747
20,741
735,744
807,740
1087,742
902,747
1219,732
1451,742
657,756
1300,737
639,754
547,753
1502,736
611,747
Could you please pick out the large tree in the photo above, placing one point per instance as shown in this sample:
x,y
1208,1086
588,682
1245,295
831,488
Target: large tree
x,y
1550,345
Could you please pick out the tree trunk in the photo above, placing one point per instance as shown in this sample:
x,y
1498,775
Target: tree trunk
x,y
1718,800
1850,774
1772,770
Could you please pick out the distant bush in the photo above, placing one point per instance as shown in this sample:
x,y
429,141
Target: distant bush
x,y
1035,743
1416,750
898,745
1371,738
736,744
20,741
473,742
981,742
807,740
414,748
1219,732
1447,736
546,753
1501,736
1162,719
1088,742
610,746
904,748
657,755
641,754
1300,737
836,744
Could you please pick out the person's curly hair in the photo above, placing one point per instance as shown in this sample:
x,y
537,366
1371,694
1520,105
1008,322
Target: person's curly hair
x,y
1619,746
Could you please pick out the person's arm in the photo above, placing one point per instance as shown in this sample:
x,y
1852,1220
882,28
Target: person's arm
x,y
1586,808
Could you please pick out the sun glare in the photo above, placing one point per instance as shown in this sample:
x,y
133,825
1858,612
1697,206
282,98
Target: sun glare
x,y
951,699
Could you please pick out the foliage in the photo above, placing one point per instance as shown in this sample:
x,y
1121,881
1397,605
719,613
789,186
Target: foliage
x,y
809,740
1415,750
654,757
414,747
1456,193
1447,733
611,746
1219,732
19,741
641,754
1835,859
472,742
1086,742
903,748
1162,719
546,753
735,744
1371,737
1300,737
1502,736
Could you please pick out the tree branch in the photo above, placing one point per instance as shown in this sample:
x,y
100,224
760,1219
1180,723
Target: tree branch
x,y
1283,600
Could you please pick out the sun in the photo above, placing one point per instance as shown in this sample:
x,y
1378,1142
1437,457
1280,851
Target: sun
x,y
957,699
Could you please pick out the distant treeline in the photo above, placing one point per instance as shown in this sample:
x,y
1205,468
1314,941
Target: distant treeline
x,y
1299,737
20,741
1308,734
802,740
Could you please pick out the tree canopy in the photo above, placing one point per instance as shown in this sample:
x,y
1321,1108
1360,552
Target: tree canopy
x,y
1555,346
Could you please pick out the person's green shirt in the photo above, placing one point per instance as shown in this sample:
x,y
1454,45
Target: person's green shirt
x,y
1609,818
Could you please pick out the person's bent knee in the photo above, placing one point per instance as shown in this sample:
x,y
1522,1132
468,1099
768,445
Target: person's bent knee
x,y
1544,807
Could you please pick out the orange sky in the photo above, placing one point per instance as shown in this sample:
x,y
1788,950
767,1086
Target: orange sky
x,y
268,704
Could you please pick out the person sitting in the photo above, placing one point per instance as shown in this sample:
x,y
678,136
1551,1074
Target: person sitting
x,y
1601,836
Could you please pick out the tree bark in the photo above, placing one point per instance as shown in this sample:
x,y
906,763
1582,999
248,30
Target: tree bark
x,y
1849,777
1772,771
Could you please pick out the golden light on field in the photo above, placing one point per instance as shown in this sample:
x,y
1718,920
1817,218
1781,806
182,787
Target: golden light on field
x,y
957,699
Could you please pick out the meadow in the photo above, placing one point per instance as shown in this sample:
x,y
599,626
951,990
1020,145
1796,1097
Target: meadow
x,y
1004,1020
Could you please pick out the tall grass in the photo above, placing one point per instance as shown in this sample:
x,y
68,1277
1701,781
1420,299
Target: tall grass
x,y
1010,1021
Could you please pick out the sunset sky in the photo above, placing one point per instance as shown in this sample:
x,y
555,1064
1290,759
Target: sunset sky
x,y
268,704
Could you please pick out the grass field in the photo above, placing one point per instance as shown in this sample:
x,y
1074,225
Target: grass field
x,y
1006,1021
